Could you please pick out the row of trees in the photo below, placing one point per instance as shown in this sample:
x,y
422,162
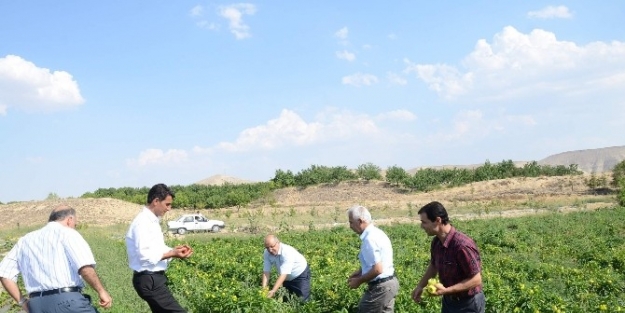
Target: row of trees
x,y
193,196
423,180
427,179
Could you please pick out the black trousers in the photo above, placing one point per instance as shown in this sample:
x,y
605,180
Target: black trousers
x,y
153,289
300,285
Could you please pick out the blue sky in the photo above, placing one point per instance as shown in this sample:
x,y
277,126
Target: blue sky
x,y
133,93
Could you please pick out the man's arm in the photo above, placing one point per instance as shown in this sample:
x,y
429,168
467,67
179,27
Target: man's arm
x,y
418,290
89,274
277,285
11,287
355,281
265,279
464,285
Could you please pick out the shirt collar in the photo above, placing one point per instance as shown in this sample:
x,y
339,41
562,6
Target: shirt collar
x,y
450,235
150,215
366,231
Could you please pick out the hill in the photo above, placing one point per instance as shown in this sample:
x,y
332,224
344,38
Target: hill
x,y
218,180
590,160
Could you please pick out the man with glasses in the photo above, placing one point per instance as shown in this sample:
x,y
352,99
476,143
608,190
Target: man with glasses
x,y
293,270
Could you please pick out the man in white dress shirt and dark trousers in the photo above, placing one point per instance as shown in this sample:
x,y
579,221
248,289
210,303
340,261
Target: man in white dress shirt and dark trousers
x,y
52,261
148,255
376,264
293,270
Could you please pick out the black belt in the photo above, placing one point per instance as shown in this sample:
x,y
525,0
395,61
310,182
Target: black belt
x,y
54,291
381,280
149,273
458,296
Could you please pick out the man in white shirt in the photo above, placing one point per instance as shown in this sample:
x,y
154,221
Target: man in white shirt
x,y
52,261
148,255
293,270
376,264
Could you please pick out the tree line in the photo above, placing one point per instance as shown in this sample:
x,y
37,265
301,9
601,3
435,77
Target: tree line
x,y
423,180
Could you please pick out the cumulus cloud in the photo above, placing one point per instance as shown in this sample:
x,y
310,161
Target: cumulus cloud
x,y
345,55
234,14
197,10
551,12
342,33
359,79
469,125
151,157
26,87
397,115
396,79
516,65
290,129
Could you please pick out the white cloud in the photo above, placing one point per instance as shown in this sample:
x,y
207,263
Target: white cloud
x,y
289,129
469,125
234,14
551,12
517,65
27,87
359,79
345,55
392,36
158,157
397,115
197,10
396,79
342,33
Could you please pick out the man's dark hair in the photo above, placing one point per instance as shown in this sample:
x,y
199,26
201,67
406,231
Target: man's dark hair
x,y
59,215
433,210
160,192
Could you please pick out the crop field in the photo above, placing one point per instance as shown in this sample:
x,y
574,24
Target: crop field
x,y
554,262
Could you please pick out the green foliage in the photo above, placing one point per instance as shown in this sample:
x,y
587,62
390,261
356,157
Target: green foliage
x,y
230,195
396,175
52,196
369,171
618,173
621,193
283,179
521,270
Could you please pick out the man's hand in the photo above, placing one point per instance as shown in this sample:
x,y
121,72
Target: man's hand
x,y
105,299
271,293
416,294
354,282
183,251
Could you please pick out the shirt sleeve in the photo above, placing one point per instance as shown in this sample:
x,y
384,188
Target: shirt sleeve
x,y
77,250
469,260
371,252
9,267
266,262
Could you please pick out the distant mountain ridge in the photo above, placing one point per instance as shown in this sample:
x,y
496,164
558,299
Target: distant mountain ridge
x,y
589,160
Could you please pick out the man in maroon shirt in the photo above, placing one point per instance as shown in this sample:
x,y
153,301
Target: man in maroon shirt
x,y
456,260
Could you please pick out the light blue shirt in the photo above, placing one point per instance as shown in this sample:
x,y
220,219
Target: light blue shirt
x,y
375,248
288,261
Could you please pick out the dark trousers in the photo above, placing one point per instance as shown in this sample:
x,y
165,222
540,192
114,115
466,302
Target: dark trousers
x,y
473,304
300,285
153,289
69,302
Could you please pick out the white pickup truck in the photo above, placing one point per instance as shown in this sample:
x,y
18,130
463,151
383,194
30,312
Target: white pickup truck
x,y
195,222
